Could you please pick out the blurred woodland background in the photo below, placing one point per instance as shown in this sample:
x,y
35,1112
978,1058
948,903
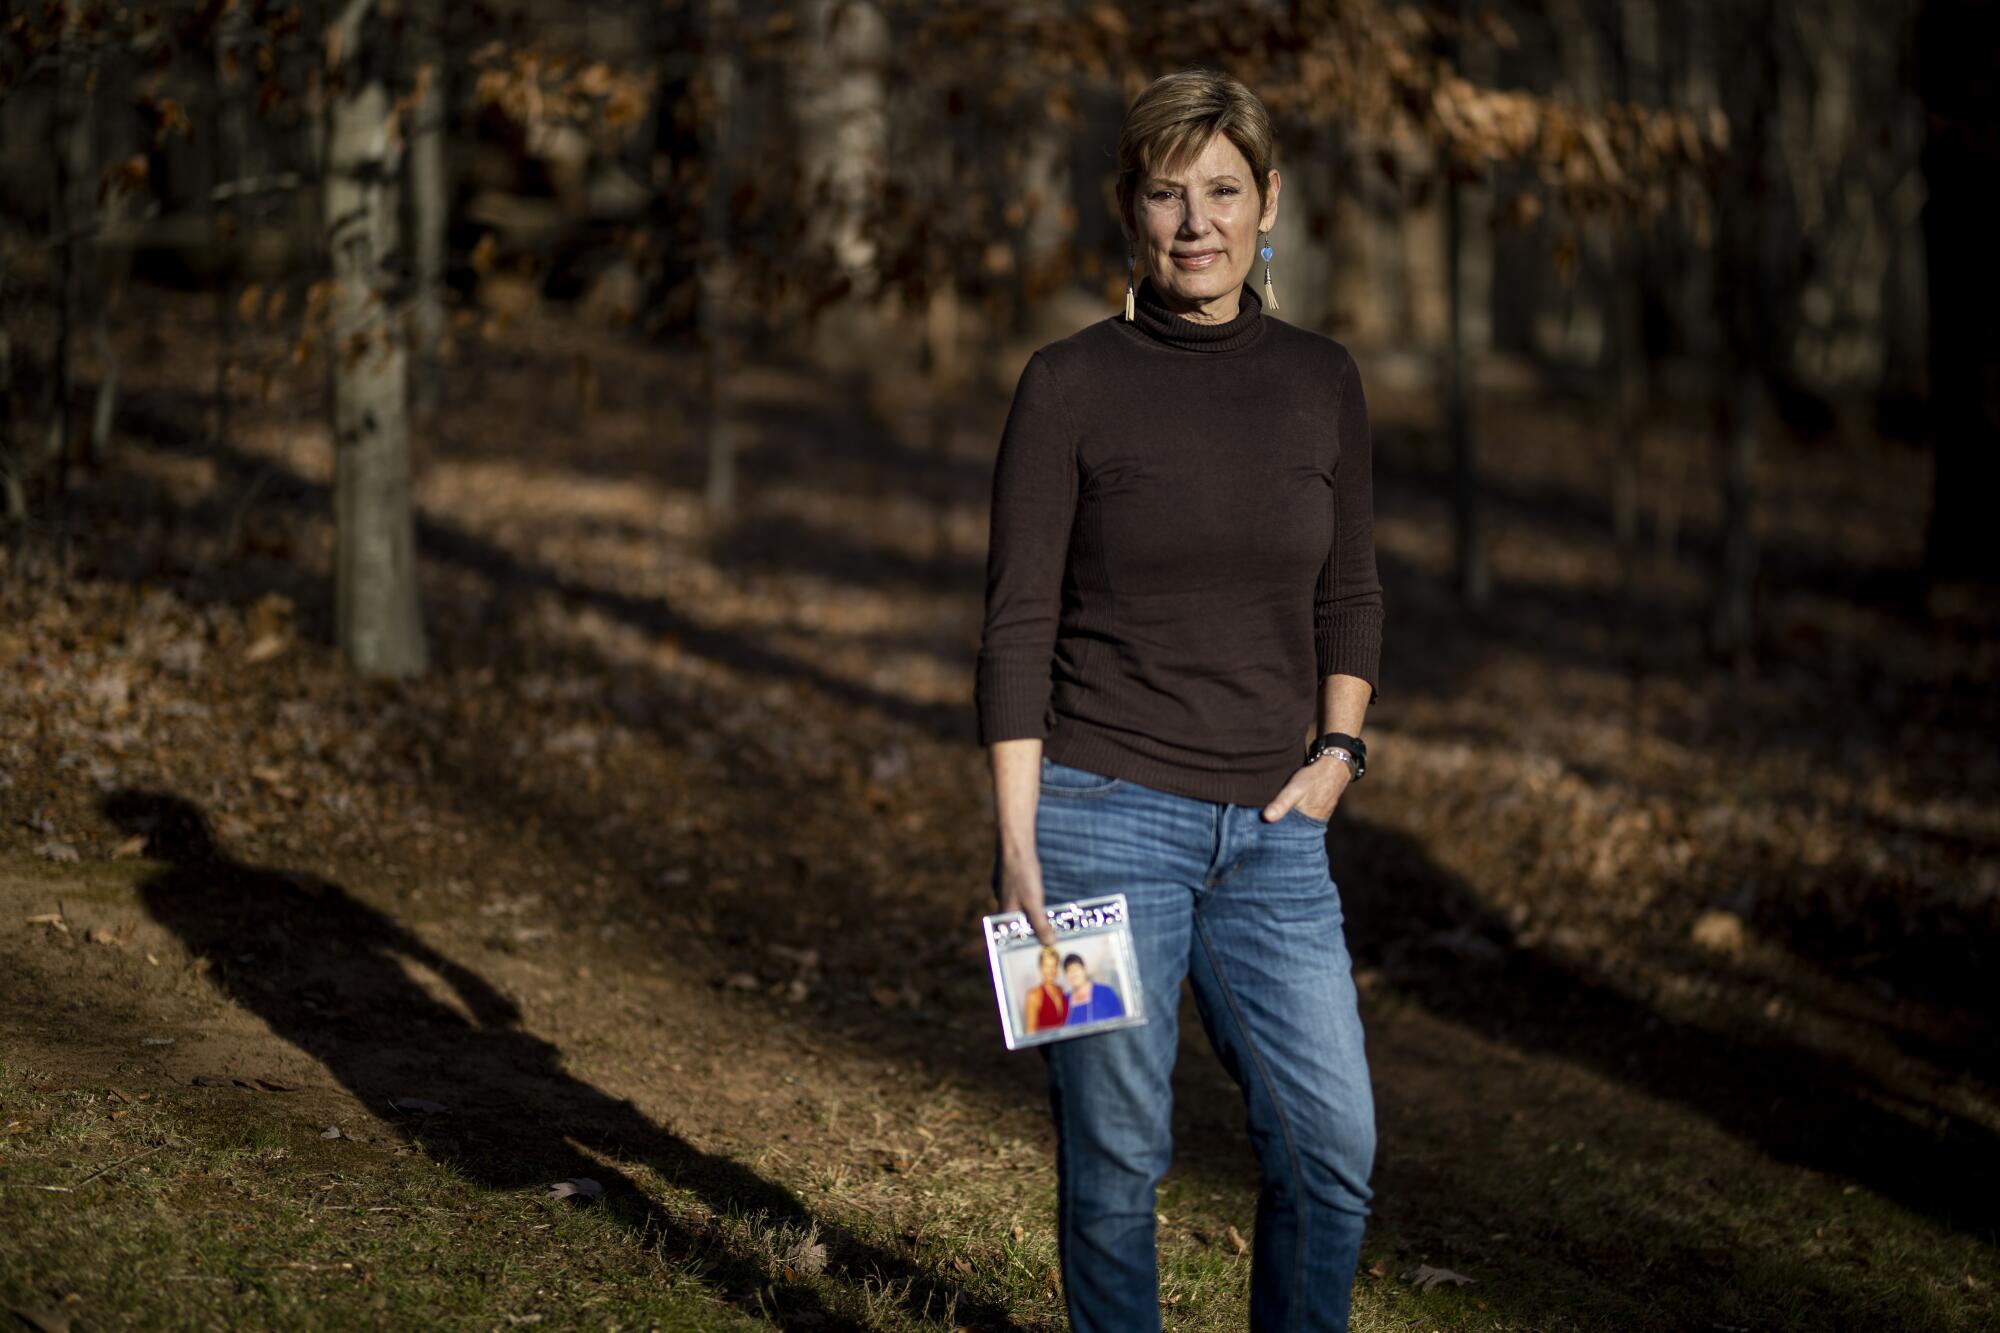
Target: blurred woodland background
x,y
492,512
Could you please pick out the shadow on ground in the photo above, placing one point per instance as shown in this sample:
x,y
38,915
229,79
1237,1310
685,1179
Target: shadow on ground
x,y
327,973
1444,948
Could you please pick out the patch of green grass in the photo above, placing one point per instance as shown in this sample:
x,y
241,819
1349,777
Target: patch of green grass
x,y
219,1211
205,1219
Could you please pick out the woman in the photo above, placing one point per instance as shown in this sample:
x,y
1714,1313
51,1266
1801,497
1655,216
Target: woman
x,y
1090,1000
1183,622
1047,1006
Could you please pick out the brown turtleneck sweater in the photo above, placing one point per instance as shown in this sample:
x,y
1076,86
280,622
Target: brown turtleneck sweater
x,y
1182,547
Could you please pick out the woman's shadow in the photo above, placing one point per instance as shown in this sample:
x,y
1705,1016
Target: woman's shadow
x,y
331,975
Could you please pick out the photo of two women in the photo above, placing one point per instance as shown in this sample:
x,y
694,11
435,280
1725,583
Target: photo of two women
x,y
1068,992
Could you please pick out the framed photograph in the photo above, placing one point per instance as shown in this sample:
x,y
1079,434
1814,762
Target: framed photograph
x,y
1087,982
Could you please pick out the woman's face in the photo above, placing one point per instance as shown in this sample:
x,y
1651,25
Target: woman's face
x,y
1049,964
1197,230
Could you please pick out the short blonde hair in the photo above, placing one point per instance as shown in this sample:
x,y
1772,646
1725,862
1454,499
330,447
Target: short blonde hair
x,y
1172,120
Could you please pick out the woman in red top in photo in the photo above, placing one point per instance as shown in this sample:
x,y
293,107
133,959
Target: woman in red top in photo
x,y
1047,1006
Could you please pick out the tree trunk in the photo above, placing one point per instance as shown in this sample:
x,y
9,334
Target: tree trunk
x,y
714,316
1958,43
1468,276
1475,581
1732,618
378,614
228,162
841,108
1625,388
1756,222
70,217
430,202
13,491
1636,65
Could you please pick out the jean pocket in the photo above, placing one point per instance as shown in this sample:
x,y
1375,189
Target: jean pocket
x,y
1296,813
1059,779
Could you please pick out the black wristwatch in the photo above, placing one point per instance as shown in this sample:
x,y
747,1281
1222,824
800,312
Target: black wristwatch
x,y
1348,749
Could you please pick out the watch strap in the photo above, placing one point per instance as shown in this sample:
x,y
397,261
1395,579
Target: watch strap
x,y
1353,751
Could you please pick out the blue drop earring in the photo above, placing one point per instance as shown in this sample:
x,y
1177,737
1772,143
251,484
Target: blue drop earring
x,y
1265,253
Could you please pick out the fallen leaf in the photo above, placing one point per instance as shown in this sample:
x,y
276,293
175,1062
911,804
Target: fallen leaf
x,y
809,1254
1014,1233
335,1132
57,851
1425,1277
1236,1241
1378,1269
420,1105
805,960
1718,932
578,1187
265,648
132,846
48,919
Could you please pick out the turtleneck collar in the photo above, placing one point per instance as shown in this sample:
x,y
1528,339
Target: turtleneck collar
x,y
1152,317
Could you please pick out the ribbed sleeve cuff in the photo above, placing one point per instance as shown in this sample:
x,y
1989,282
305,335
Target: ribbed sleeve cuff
x,y
1011,702
1349,643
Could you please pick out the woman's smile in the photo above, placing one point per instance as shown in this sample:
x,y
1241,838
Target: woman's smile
x,y
1195,259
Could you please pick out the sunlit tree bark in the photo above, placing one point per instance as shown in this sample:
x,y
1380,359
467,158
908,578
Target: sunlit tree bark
x,y
377,611
430,197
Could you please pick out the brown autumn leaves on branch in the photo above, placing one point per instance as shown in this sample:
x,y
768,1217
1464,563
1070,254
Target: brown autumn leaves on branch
x,y
1385,79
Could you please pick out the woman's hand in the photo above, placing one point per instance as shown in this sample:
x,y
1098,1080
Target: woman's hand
x,y
1315,789
1021,891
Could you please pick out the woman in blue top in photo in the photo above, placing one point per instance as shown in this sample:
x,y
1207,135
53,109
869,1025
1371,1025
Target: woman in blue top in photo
x,y
1089,1001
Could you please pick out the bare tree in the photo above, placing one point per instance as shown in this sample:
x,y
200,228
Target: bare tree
x,y
1754,214
71,219
378,613
1958,42
430,201
722,76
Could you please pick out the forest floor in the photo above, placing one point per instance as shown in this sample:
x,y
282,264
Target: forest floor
x,y
666,876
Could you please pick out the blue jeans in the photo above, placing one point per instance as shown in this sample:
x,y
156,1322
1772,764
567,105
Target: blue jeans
x,y
1249,912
